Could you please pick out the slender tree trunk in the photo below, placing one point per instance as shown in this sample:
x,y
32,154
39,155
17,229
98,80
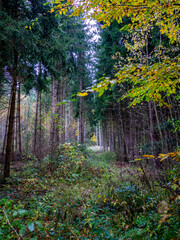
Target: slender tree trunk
x,y
58,111
159,128
36,125
131,136
81,114
78,130
63,112
11,119
6,128
19,118
124,142
104,129
16,129
151,126
100,135
172,119
52,134
40,127
13,135
0,5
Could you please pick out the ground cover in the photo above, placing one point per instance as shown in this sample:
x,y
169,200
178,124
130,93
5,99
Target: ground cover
x,y
78,194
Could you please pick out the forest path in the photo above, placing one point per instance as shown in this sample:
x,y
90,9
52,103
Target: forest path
x,y
95,148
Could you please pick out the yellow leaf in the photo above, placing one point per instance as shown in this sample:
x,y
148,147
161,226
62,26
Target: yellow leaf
x,y
82,94
164,218
149,156
94,139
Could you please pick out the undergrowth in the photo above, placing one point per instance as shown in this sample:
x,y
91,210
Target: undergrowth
x,y
75,194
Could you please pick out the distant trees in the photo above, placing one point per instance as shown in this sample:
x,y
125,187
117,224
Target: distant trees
x,y
143,128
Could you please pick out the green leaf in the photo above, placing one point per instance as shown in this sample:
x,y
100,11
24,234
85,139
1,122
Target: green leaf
x,y
22,212
126,27
63,102
3,201
30,226
22,229
34,238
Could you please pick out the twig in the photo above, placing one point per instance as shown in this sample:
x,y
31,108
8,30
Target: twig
x,y
11,225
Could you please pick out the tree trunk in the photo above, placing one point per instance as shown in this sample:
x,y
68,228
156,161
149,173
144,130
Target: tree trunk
x,y
13,135
151,126
100,135
40,127
6,128
78,130
63,112
81,114
52,133
36,125
19,118
58,112
16,129
11,119
131,157
159,128
1,5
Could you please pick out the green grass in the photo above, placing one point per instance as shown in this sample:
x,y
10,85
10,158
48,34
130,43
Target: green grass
x,y
76,194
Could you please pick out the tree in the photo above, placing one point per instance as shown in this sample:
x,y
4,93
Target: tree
x,y
144,15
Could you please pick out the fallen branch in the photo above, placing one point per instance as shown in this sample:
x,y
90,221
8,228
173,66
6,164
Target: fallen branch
x,y
11,225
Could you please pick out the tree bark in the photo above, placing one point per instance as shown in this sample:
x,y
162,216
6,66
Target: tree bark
x,y
40,127
0,5
11,119
19,118
151,126
81,114
6,128
58,111
52,133
131,157
159,127
36,125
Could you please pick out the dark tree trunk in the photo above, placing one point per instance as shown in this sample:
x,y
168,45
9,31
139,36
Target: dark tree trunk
x,y
36,125
19,118
6,128
58,112
11,119
131,136
81,114
151,125
13,135
52,134
16,129
0,5
40,127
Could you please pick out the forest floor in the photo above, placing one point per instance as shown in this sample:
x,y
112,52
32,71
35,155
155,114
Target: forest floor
x,y
79,194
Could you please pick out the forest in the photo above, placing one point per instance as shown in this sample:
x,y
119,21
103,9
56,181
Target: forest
x,y
89,119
